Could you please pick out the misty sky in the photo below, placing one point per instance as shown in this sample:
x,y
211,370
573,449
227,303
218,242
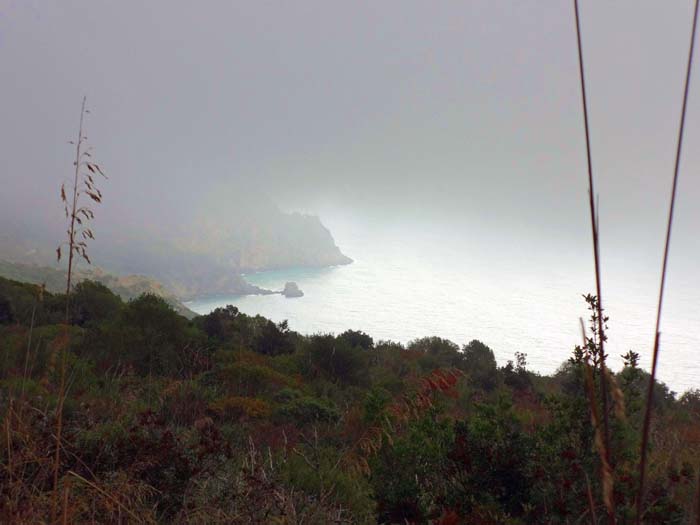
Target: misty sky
x,y
467,111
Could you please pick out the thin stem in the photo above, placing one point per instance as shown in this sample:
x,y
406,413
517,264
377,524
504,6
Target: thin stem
x,y
591,505
71,240
697,502
596,248
669,226
26,355
64,342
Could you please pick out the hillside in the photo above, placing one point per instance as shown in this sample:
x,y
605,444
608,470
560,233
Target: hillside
x,y
232,419
126,287
198,256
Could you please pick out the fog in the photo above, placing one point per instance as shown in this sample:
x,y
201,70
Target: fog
x,y
463,114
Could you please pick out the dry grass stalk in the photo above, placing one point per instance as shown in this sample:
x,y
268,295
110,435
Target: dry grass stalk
x,y
594,231
605,468
66,491
617,395
697,502
606,471
669,226
78,234
107,495
591,504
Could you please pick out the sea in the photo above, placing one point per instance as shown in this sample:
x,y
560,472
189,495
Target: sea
x,y
515,295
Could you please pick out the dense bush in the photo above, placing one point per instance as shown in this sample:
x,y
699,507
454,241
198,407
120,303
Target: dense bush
x,y
6,313
336,360
148,337
480,363
93,302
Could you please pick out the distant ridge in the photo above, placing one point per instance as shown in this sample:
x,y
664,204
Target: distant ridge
x,y
127,287
195,257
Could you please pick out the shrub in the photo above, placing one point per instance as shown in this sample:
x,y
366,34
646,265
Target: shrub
x,y
235,407
6,314
253,378
515,375
92,301
304,410
480,363
357,339
437,353
273,339
147,336
185,402
334,359
227,325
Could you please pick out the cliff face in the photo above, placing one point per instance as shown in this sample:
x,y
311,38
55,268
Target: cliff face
x,y
205,256
209,256
249,233
293,240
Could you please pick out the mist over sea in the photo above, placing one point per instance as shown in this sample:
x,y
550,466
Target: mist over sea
x,y
514,294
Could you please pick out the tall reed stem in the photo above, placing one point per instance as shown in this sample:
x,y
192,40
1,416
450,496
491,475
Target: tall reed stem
x,y
664,266
596,251
64,341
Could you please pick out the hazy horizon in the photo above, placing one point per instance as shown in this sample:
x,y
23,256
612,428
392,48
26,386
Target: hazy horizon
x,y
459,110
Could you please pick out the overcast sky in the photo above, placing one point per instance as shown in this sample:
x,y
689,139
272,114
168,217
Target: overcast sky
x,y
461,110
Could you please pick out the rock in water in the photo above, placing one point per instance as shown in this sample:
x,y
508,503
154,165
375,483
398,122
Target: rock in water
x,y
292,290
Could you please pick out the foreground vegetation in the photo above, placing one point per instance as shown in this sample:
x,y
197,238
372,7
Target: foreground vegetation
x,y
228,418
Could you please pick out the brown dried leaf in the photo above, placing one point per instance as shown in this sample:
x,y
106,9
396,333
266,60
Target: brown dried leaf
x,y
94,196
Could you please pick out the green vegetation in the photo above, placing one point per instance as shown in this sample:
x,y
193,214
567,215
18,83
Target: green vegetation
x,y
127,287
228,418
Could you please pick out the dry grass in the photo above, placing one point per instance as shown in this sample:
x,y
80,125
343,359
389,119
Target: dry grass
x,y
669,226
602,435
78,235
602,442
32,452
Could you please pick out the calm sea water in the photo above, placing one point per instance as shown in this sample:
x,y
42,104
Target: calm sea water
x,y
408,283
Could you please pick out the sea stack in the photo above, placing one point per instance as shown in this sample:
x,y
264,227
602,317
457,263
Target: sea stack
x,y
292,290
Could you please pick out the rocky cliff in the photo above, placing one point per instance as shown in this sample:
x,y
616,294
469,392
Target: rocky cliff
x,y
204,256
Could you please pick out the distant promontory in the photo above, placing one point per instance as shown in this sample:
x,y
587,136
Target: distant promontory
x,y
202,256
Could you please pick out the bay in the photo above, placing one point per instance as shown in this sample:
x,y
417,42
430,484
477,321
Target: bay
x,y
513,295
